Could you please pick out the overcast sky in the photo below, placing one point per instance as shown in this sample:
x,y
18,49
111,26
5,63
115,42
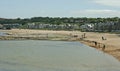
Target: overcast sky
x,y
59,8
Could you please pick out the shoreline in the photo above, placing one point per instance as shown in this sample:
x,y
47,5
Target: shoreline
x,y
113,52
111,43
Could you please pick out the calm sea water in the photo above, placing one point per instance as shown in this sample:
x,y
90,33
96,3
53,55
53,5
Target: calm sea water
x,y
35,55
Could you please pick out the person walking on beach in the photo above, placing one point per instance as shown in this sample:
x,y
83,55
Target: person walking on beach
x,y
103,38
84,35
103,47
95,43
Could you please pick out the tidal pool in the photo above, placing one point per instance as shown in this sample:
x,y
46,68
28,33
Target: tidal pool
x,y
39,55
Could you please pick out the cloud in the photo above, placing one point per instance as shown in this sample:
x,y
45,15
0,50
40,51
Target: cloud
x,y
96,13
115,3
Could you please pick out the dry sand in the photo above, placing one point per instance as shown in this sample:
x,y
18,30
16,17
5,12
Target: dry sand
x,y
112,42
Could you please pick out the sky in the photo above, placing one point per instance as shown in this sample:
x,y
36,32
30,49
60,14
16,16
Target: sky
x,y
59,8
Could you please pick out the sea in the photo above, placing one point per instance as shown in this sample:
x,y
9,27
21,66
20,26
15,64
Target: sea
x,y
45,55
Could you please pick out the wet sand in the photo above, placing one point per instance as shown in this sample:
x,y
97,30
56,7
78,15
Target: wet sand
x,y
111,42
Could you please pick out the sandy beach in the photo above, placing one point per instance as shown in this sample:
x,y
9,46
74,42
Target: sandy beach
x,y
111,41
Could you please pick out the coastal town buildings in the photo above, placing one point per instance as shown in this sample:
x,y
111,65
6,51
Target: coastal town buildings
x,y
9,26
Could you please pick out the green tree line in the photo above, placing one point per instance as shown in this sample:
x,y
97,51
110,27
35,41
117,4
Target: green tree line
x,y
58,20
71,20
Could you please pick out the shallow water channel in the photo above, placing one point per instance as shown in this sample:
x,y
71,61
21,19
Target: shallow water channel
x,y
41,55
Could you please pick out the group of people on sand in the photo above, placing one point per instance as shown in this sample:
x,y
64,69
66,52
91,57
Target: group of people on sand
x,y
103,47
103,38
96,43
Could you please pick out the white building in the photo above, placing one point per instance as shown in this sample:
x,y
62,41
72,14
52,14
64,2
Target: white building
x,y
87,27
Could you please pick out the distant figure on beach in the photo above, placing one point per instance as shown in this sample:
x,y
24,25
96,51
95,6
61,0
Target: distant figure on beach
x,y
103,47
75,35
95,43
103,38
84,35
